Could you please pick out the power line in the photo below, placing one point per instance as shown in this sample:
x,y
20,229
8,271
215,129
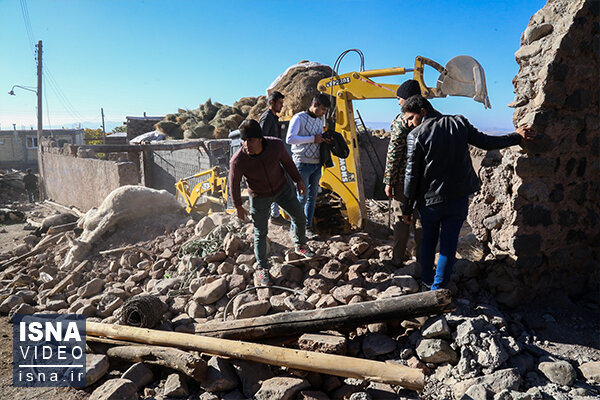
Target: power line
x,y
27,21
61,96
47,108
53,83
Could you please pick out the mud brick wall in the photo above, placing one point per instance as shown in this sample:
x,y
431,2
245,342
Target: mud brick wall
x,y
81,180
139,125
538,207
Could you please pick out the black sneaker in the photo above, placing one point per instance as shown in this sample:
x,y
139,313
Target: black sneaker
x,y
262,278
425,287
304,251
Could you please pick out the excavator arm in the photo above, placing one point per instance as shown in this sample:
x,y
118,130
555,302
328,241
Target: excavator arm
x,y
462,76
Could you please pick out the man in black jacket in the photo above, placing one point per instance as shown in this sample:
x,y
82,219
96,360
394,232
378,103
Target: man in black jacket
x,y
439,179
31,186
269,123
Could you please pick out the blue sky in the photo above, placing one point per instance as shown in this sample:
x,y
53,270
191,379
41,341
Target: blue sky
x,y
131,57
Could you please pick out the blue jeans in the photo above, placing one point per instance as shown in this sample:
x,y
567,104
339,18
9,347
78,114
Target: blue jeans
x,y
441,221
311,174
260,208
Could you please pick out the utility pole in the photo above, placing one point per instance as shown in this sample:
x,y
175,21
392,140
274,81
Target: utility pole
x,y
39,95
103,129
39,120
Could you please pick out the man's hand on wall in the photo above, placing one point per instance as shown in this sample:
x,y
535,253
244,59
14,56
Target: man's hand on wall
x,y
526,132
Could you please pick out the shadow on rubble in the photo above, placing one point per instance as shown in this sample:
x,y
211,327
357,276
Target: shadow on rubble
x,y
534,313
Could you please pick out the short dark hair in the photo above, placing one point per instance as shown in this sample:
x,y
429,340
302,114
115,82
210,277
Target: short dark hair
x,y
415,103
274,96
249,128
29,171
322,99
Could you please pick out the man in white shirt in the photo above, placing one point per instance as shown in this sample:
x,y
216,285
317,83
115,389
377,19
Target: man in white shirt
x,y
305,134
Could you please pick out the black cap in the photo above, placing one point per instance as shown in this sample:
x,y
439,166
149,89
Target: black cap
x,y
408,89
249,128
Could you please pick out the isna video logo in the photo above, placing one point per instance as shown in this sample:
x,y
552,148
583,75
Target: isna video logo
x,y
49,350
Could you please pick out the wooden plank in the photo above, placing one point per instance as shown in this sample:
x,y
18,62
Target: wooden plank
x,y
65,281
305,260
339,318
394,374
179,360
126,248
62,228
121,148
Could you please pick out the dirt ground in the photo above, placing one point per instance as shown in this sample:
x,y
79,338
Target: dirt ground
x,y
8,391
10,236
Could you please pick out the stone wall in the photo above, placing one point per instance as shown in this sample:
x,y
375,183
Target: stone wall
x,y
538,208
139,125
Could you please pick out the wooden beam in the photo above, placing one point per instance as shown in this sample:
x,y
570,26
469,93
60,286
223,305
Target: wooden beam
x,y
61,228
339,318
122,148
179,360
394,374
126,248
65,281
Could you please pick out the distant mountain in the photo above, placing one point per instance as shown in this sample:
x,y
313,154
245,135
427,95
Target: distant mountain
x,y
489,130
378,125
109,125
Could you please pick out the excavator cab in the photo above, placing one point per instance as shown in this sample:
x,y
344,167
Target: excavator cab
x,y
462,76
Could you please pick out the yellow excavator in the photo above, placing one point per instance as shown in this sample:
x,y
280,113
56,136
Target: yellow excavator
x,y
462,76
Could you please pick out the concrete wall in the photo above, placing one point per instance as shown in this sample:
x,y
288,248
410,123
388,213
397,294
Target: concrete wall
x,y
539,204
17,151
167,167
13,150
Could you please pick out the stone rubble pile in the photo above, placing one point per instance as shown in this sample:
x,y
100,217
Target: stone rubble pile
x,y
11,186
475,352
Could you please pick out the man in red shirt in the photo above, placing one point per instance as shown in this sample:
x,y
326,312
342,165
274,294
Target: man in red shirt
x,y
264,162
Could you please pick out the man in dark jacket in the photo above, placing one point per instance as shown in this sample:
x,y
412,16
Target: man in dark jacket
x,y
264,162
439,179
31,185
269,122
393,178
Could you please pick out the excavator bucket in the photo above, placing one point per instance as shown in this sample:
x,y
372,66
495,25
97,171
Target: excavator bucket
x,y
464,76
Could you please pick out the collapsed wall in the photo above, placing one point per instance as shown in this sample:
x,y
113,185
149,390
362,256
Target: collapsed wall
x,y
538,206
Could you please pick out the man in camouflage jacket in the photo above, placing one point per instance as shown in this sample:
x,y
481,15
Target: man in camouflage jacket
x,y
393,178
